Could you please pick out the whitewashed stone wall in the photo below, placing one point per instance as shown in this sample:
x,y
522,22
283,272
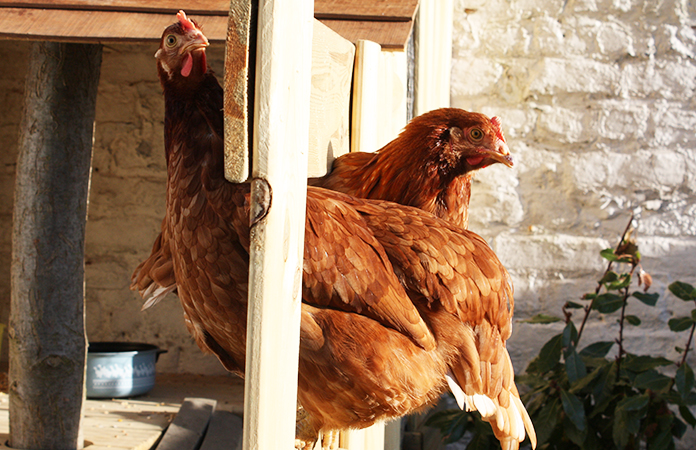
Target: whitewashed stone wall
x,y
597,101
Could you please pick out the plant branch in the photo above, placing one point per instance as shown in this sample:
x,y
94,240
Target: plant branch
x,y
588,308
688,344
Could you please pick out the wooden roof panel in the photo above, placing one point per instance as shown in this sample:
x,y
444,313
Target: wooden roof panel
x,y
95,26
390,35
386,10
387,22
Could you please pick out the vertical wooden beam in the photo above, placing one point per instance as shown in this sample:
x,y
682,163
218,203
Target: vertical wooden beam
x,y
47,335
238,75
433,55
379,96
281,135
365,93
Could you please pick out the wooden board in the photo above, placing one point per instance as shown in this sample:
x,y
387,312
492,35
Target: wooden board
x,y
390,10
433,46
278,202
329,116
238,74
137,21
96,26
189,426
390,35
224,432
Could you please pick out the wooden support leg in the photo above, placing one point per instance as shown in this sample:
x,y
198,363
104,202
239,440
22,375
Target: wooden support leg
x,y
47,334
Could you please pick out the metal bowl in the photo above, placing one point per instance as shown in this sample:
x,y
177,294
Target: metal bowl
x,y
120,369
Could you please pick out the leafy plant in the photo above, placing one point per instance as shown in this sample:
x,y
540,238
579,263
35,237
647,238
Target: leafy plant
x,y
578,396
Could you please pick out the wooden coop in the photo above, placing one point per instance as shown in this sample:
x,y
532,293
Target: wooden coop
x,y
331,76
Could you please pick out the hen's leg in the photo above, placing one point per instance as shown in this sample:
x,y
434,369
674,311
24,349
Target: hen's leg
x,y
306,433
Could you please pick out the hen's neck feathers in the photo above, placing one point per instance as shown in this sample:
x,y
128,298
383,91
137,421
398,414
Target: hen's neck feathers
x,y
428,175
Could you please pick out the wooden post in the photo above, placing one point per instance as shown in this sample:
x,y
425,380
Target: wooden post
x,y
281,136
433,55
46,333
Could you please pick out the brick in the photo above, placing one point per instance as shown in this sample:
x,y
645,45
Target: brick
x,y
556,76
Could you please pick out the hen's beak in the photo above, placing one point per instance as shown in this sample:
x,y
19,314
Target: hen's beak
x,y
198,41
501,154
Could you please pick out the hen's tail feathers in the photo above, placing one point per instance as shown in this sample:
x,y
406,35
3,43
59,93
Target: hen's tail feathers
x,y
505,411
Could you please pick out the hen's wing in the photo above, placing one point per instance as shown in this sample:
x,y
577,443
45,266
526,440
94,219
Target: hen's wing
x,y
456,270
346,268
154,277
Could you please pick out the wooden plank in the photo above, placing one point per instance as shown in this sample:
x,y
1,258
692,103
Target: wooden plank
x,y
391,10
370,438
390,35
329,117
237,76
433,48
96,26
224,432
189,426
122,26
365,94
393,96
208,7
281,137
378,10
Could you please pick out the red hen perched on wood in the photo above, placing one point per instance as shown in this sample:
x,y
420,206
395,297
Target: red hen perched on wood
x,y
398,305
429,165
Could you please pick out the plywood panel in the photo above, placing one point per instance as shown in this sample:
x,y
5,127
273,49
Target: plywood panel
x,y
389,10
136,21
96,26
390,35
329,117
433,55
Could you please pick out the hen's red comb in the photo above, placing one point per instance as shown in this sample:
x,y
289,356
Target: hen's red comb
x,y
186,24
497,124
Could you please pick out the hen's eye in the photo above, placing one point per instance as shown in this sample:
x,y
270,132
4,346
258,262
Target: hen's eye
x,y
170,40
476,134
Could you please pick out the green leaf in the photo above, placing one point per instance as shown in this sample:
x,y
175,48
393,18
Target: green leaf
x,y
642,363
573,305
588,380
597,350
634,403
570,335
680,323
684,379
607,303
684,291
623,282
689,418
627,416
574,365
571,432
574,409
543,318
633,320
648,299
610,276
662,441
653,380
550,354
604,386
546,421
693,317
608,254
679,428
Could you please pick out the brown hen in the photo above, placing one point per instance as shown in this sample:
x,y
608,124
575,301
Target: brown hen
x,y
398,305
429,165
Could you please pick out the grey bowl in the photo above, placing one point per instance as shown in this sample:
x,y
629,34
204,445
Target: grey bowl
x,y
120,369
